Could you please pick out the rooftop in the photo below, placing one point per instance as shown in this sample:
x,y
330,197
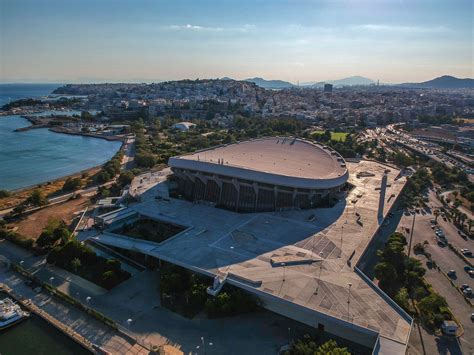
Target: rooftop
x,y
251,248
284,156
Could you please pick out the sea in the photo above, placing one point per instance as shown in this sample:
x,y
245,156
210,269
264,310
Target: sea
x,y
38,155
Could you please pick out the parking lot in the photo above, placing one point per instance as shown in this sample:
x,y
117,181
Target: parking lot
x,y
446,260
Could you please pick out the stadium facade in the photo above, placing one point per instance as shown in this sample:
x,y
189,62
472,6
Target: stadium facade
x,y
259,175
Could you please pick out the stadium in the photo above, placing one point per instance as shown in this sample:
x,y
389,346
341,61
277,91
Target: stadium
x,y
261,175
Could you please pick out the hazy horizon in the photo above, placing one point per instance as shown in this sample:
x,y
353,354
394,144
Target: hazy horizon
x,y
56,41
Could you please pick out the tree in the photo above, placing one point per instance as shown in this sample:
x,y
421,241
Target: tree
x,y
331,347
145,159
37,198
4,193
72,184
76,264
308,346
125,178
19,209
436,214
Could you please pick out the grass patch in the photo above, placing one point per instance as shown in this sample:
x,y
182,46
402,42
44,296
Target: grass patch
x,y
335,136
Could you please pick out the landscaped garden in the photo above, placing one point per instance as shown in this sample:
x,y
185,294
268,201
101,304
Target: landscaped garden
x,y
150,229
81,260
185,293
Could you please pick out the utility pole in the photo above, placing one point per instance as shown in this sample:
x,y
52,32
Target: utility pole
x,y
411,232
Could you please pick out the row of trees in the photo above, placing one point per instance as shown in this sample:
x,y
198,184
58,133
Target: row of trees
x,y
310,346
401,277
110,169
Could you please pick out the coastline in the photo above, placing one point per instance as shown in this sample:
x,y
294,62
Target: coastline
x,y
58,130
50,186
86,134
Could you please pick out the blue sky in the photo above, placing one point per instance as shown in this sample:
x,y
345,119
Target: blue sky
x,y
151,40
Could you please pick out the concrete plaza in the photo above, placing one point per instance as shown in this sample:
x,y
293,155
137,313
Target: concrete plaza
x,y
300,263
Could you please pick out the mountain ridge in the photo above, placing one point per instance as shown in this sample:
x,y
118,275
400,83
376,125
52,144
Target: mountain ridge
x,y
442,82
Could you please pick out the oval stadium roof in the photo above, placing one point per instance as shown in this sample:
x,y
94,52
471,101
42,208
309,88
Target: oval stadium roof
x,y
282,161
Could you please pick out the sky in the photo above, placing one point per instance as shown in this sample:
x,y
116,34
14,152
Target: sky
x,y
314,40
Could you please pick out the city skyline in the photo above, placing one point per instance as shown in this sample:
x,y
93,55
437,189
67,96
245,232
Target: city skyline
x,y
120,41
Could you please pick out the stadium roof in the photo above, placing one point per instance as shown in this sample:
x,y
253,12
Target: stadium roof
x,y
283,161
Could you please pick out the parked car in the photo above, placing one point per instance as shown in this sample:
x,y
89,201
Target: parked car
x,y
466,252
451,273
467,291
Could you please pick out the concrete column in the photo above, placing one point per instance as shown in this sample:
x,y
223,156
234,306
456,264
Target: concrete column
x,y
275,192
237,186
219,183
255,189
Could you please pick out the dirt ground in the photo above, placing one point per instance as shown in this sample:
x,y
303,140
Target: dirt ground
x,y
47,188
34,223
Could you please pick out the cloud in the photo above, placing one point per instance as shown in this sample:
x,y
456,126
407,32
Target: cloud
x,y
198,28
403,29
189,27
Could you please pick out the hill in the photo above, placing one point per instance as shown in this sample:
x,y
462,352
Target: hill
x,y
270,84
443,82
349,81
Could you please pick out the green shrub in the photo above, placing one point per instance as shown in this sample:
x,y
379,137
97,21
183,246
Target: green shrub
x,y
4,193
16,238
72,184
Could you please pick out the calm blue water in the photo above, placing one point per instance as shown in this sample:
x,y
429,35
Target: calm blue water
x,y
11,92
38,155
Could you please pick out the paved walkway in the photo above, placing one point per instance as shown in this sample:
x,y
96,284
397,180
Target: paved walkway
x,y
83,324
138,299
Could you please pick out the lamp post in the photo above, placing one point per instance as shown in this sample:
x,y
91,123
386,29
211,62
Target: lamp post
x,y
321,254
342,237
284,270
22,262
129,322
349,300
51,279
88,300
203,342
